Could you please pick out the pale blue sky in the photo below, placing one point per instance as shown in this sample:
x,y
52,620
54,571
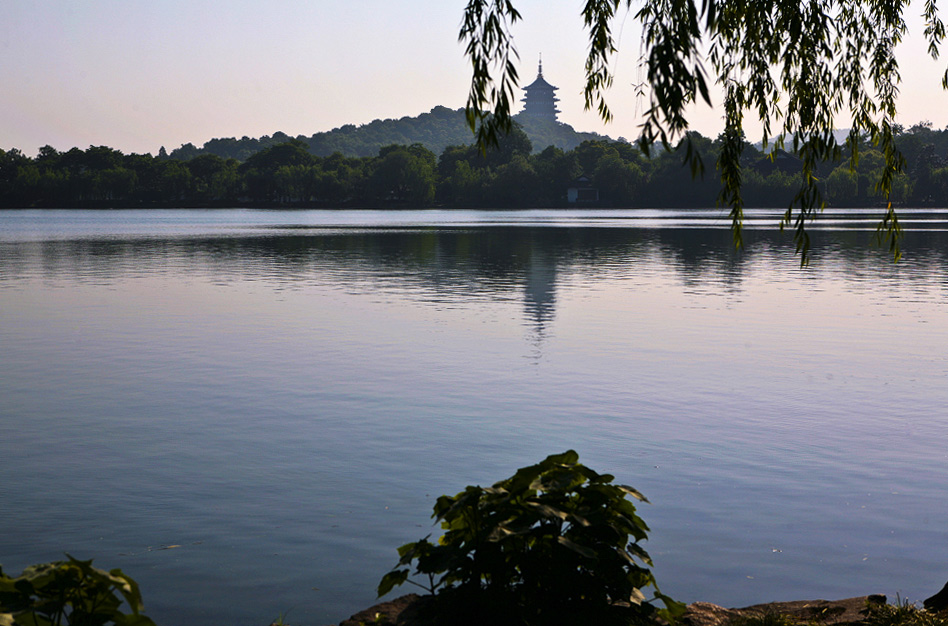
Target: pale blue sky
x,y
139,74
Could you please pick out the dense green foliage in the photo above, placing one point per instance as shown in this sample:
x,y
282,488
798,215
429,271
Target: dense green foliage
x,y
798,67
556,543
435,130
70,593
512,175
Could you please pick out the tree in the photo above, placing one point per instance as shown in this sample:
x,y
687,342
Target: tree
x,y
589,153
515,184
841,185
174,181
619,181
259,171
461,185
404,175
556,170
213,178
797,65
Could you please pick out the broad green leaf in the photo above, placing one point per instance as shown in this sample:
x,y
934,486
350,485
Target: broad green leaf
x,y
392,580
575,547
632,491
637,550
570,457
29,618
673,609
547,510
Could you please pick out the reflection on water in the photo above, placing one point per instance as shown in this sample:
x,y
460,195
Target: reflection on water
x,y
449,264
281,395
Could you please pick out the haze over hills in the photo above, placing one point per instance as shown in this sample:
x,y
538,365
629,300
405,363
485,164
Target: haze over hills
x,y
439,128
841,135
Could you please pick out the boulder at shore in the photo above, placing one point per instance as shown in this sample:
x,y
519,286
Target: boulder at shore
x,y
402,611
830,613
939,601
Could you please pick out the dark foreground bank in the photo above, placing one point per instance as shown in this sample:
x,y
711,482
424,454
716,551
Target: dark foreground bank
x,y
871,610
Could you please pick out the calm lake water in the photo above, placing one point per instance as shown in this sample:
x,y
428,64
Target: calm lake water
x,y
248,411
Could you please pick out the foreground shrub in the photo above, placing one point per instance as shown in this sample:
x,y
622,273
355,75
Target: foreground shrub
x,y
904,614
70,593
557,543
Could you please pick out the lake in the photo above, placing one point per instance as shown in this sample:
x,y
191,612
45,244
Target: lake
x,y
249,411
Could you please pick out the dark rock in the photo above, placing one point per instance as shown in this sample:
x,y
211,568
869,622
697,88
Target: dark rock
x,y
837,612
938,602
707,614
404,611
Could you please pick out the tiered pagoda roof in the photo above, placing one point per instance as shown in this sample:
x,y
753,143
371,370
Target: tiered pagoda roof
x,y
540,99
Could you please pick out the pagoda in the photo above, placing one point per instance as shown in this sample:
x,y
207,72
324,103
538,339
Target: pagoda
x,y
540,99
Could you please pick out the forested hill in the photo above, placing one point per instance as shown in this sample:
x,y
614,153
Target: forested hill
x,y
595,173
436,130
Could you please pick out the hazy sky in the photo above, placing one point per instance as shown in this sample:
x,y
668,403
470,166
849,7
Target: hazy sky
x,y
140,74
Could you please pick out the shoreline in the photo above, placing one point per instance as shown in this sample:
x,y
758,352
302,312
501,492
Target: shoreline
x,y
402,611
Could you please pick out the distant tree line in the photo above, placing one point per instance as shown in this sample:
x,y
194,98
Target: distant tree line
x,y
288,174
436,130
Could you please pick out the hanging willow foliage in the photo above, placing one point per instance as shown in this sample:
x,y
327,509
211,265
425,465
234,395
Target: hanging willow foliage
x,y
798,66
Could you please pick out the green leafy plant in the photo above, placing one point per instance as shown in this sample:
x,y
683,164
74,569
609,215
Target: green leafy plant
x,y
556,543
70,593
